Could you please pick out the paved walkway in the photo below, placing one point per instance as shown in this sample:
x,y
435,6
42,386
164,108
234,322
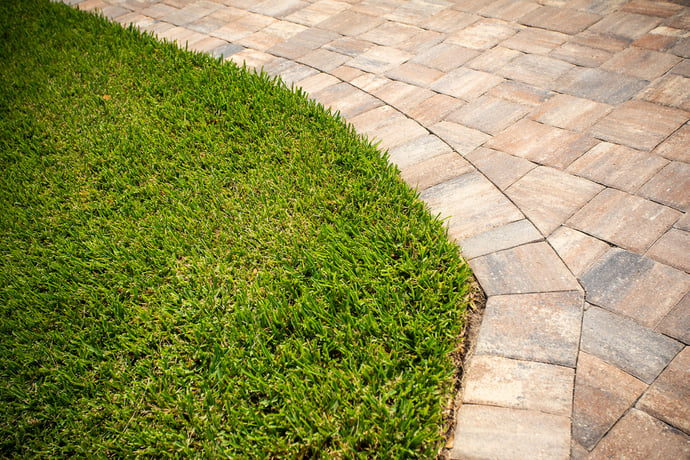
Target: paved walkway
x,y
554,136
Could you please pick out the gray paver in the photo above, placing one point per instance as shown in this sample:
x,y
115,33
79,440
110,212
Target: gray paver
x,y
634,286
625,344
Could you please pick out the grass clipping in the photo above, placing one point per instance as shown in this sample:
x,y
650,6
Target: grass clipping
x,y
198,261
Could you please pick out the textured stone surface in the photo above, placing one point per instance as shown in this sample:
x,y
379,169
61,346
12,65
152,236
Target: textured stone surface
x,y
500,238
639,435
599,85
501,168
627,26
677,323
488,114
559,19
528,268
675,147
668,398
542,144
535,41
418,150
641,63
445,57
570,112
673,249
464,140
483,34
625,344
436,170
520,93
534,327
548,197
504,382
532,69
634,286
466,84
576,249
625,220
434,109
617,166
471,203
602,395
639,124
670,186
497,432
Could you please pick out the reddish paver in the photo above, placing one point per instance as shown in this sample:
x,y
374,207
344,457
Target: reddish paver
x,y
560,19
499,381
668,398
653,8
617,166
626,220
548,197
677,323
639,435
602,395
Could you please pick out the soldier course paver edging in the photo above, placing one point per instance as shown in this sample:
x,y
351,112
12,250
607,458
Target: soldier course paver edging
x,y
554,136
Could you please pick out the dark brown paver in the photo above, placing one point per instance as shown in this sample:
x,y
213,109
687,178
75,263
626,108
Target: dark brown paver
x,y
510,434
617,166
534,327
525,269
677,323
501,168
625,344
497,239
670,186
639,435
499,381
602,395
548,197
668,399
634,286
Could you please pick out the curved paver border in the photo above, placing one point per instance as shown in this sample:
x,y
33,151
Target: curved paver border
x,y
553,136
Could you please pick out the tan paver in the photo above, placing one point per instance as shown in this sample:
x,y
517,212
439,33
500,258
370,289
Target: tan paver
x,y
435,170
641,63
497,239
670,186
488,114
673,249
577,249
568,112
562,20
484,34
677,323
501,168
639,435
510,434
499,381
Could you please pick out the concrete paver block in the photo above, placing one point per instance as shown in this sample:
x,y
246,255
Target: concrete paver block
x,y
673,249
543,327
577,249
634,286
599,85
487,432
568,112
626,26
488,114
484,34
619,341
670,186
602,395
498,381
500,238
677,323
501,168
562,20
436,170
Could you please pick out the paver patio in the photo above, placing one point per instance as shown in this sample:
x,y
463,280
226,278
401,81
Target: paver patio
x,y
554,135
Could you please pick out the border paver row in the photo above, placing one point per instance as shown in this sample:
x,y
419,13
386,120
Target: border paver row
x,y
553,137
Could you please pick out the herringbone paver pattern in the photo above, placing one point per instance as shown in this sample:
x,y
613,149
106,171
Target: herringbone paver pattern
x,y
554,136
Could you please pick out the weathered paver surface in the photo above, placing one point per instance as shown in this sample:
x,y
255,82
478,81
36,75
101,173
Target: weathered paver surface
x,y
554,135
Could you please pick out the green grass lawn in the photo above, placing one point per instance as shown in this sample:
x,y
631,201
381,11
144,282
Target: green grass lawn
x,y
197,260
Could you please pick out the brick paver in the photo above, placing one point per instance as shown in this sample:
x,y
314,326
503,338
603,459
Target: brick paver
x,y
553,135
